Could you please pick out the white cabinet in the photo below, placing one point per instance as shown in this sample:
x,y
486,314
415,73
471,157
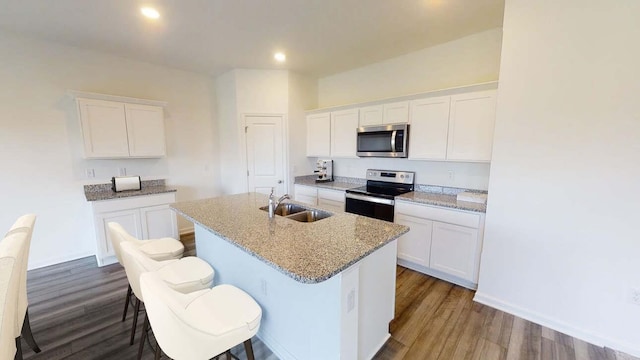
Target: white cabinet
x,y
429,128
397,112
442,242
333,200
371,115
415,246
453,249
471,125
457,128
305,194
112,129
344,125
145,217
319,135
391,113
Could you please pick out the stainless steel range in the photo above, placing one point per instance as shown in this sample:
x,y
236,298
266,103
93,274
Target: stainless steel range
x,y
377,198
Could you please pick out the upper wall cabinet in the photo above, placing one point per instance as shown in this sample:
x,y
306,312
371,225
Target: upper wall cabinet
x,y
344,126
456,128
112,129
371,115
429,128
391,113
471,125
319,135
397,112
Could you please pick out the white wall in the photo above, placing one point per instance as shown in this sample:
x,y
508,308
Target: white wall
x,y
469,60
44,172
252,91
561,244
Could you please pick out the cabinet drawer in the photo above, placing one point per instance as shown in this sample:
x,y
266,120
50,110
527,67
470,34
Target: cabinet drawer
x,y
134,202
334,195
331,204
439,214
306,190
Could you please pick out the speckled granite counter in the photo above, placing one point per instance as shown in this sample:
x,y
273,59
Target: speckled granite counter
x,y
307,252
340,183
444,200
99,192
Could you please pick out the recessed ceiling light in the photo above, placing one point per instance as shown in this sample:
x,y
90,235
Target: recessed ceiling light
x,y
150,12
280,57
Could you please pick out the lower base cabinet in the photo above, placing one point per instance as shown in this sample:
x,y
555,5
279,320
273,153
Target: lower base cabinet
x,y
442,243
145,217
332,200
306,194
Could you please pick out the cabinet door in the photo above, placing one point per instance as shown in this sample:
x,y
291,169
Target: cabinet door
x,y
319,135
453,250
397,112
344,125
333,200
415,246
429,128
104,128
306,194
145,130
371,115
471,126
130,221
158,221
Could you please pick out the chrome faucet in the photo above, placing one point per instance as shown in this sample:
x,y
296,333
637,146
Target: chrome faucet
x,y
273,203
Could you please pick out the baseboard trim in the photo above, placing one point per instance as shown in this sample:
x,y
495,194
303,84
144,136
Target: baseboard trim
x,y
556,325
186,230
59,260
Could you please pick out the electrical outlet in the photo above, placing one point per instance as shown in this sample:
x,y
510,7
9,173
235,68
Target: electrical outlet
x,y
90,173
263,287
634,296
351,300
452,175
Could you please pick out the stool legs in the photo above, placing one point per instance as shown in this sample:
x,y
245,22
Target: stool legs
x,y
248,348
135,320
145,327
28,335
126,303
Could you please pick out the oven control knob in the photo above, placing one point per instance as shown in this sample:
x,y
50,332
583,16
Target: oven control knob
x,y
401,176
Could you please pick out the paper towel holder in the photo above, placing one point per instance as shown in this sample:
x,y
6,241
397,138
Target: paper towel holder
x,y
126,183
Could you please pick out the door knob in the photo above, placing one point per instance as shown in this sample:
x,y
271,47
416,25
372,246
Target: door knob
x,y
279,181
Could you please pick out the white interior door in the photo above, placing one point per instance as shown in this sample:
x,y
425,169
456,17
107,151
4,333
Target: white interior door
x,y
265,153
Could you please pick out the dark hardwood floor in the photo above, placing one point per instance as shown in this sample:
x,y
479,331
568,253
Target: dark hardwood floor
x,y
76,308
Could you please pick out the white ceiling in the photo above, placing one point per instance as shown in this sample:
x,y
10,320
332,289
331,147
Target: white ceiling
x,y
320,37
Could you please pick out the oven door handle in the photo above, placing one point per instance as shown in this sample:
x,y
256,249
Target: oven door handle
x,y
370,199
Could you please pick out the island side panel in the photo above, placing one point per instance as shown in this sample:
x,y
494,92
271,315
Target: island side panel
x,y
377,287
299,321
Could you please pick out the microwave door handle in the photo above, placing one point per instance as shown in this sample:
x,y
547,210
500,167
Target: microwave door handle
x,y
393,140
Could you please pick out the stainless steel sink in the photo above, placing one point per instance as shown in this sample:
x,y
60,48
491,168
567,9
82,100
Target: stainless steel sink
x,y
286,209
310,216
299,213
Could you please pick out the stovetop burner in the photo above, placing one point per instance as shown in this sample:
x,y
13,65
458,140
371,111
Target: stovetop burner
x,y
386,184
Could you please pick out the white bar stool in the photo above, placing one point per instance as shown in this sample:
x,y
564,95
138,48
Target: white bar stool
x,y
157,249
184,275
199,325
24,224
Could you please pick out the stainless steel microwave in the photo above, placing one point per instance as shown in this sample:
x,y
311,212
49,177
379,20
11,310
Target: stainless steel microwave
x,y
383,141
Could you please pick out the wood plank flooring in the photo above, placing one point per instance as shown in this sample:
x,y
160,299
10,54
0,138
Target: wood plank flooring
x,y
76,307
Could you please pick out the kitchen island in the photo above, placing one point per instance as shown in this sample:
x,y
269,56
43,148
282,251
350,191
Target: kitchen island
x,y
326,288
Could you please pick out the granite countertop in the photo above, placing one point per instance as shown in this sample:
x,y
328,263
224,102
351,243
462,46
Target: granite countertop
x,y
444,200
307,252
424,194
340,183
99,192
